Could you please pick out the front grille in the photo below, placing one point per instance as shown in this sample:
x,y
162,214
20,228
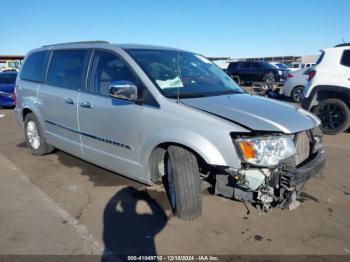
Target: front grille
x,y
302,144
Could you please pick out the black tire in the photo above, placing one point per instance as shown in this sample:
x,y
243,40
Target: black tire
x,y
334,115
237,79
184,189
43,148
296,92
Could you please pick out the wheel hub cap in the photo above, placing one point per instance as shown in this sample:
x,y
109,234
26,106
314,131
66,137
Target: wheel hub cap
x,y
33,135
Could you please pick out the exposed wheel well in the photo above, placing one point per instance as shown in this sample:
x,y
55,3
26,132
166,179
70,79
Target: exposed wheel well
x,y
202,164
326,94
298,86
332,94
25,112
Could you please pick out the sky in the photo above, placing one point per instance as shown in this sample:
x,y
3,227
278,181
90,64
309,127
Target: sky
x,y
229,28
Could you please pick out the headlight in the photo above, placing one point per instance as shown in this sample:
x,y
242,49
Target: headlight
x,y
266,151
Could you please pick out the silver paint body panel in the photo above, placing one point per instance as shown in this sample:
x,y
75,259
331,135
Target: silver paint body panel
x,y
121,136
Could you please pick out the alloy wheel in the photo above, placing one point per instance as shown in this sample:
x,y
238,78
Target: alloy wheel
x,y
332,116
33,135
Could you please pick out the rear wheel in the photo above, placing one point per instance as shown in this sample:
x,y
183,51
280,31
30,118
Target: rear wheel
x,y
34,136
334,115
297,91
183,183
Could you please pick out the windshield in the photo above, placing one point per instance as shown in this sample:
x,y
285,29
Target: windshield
x,y
269,66
7,78
197,75
282,66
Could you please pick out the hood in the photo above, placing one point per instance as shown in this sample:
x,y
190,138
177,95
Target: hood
x,y
256,113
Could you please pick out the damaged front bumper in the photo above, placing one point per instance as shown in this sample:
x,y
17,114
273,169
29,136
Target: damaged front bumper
x,y
278,187
297,177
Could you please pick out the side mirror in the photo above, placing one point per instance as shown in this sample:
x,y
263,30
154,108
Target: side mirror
x,y
123,90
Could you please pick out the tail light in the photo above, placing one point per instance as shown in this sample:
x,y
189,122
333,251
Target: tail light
x,y
312,74
290,75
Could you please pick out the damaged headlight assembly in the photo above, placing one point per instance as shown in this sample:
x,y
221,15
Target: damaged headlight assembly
x,y
266,151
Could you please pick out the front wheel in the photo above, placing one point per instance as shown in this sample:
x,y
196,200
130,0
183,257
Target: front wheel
x,y
236,79
183,183
334,115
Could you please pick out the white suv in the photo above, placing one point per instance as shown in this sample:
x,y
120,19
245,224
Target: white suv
x,y
327,93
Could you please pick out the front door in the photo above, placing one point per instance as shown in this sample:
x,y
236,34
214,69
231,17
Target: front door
x,y
109,127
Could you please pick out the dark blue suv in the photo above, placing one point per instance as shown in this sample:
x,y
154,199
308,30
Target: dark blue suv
x,y
254,72
7,86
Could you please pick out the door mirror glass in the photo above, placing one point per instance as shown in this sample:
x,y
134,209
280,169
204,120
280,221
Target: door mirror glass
x,y
123,90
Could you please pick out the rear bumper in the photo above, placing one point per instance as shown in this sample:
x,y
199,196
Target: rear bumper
x,y
18,115
6,99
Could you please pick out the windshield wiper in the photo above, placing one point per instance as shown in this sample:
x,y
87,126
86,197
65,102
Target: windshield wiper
x,y
193,95
185,95
227,92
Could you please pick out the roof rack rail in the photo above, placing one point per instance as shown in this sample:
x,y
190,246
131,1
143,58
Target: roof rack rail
x,y
341,45
81,42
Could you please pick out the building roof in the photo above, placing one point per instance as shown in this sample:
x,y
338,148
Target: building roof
x,y
11,57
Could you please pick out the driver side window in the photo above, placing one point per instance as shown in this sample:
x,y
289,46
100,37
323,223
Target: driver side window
x,y
105,69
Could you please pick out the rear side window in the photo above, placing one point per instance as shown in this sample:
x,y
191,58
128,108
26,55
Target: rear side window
x,y
246,65
233,66
345,60
255,65
34,67
66,68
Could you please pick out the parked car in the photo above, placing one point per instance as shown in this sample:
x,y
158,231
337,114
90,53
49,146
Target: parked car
x,y
156,113
327,94
254,72
282,67
9,70
279,65
295,83
9,66
297,66
7,86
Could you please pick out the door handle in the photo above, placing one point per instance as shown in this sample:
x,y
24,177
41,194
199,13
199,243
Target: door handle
x,y
69,101
86,105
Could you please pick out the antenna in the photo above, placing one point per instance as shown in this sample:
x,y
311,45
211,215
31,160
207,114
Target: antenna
x,y
343,41
178,47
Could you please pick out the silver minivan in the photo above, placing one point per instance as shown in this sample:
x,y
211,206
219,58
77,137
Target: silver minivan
x,y
161,114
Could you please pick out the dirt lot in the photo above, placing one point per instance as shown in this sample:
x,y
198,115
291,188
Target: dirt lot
x,y
105,211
